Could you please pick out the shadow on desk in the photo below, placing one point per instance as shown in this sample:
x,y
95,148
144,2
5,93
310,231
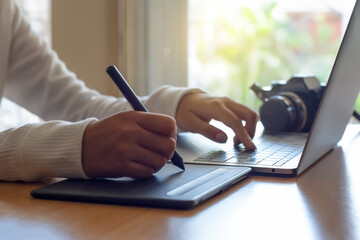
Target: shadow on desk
x,y
331,189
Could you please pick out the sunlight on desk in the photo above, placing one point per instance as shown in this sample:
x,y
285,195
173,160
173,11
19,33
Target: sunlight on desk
x,y
17,228
256,211
321,203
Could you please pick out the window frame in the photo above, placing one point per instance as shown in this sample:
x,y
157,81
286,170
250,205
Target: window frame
x,y
153,43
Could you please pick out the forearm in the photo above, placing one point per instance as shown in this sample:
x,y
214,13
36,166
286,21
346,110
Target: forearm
x,y
36,151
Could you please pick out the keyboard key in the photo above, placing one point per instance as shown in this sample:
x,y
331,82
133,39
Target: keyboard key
x,y
221,158
271,150
210,155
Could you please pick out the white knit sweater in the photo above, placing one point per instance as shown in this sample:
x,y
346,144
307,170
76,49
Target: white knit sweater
x,y
32,75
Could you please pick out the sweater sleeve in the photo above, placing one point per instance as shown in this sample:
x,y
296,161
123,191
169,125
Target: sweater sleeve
x,y
39,81
36,151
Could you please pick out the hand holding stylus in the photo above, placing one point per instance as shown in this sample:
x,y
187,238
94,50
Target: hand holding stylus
x,y
134,101
132,143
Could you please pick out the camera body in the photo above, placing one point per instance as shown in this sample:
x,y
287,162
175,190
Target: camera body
x,y
289,106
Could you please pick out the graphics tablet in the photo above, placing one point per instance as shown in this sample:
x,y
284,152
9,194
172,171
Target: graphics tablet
x,y
168,188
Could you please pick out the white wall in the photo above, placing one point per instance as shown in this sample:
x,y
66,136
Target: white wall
x,y
85,35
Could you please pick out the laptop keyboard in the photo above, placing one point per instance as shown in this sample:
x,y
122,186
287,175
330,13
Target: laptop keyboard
x,y
272,150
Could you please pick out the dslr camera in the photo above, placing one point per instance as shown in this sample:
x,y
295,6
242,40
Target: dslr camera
x,y
289,106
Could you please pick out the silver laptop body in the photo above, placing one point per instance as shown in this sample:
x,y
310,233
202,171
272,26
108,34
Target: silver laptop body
x,y
296,151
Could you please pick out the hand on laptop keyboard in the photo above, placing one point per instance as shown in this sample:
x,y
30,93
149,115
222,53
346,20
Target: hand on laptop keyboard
x,y
196,110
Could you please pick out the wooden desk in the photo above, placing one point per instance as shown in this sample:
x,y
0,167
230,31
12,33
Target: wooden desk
x,y
322,203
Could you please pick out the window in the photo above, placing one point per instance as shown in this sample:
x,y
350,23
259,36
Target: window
x,y
38,12
39,15
233,44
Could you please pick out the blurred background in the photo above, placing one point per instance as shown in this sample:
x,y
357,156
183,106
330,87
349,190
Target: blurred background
x,y
221,46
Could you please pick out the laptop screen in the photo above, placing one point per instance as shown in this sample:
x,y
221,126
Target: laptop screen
x,y
339,98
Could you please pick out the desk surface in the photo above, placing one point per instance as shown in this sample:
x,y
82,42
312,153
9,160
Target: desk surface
x,y
322,203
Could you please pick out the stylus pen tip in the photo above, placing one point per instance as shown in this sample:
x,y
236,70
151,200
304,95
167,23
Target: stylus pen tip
x,y
177,160
181,166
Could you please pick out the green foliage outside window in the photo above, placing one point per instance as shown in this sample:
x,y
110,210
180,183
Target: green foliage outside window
x,y
261,45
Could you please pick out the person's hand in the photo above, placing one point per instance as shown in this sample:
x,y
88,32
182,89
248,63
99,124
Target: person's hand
x,y
133,144
196,110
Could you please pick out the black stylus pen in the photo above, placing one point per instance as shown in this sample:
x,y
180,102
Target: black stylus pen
x,y
134,101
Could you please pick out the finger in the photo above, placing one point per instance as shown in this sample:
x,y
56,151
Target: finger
x,y
136,162
149,159
248,115
120,168
159,123
231,120
157,143
138,170
198,125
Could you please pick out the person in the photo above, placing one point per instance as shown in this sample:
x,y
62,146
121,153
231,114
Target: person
x,y
89,135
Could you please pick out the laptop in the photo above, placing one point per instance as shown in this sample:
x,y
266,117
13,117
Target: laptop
x,y
169,188
292,153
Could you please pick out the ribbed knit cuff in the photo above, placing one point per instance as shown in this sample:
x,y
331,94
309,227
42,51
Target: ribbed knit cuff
x,y
166,99
53,149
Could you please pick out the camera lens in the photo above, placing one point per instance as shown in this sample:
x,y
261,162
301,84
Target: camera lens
x,y
283,113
